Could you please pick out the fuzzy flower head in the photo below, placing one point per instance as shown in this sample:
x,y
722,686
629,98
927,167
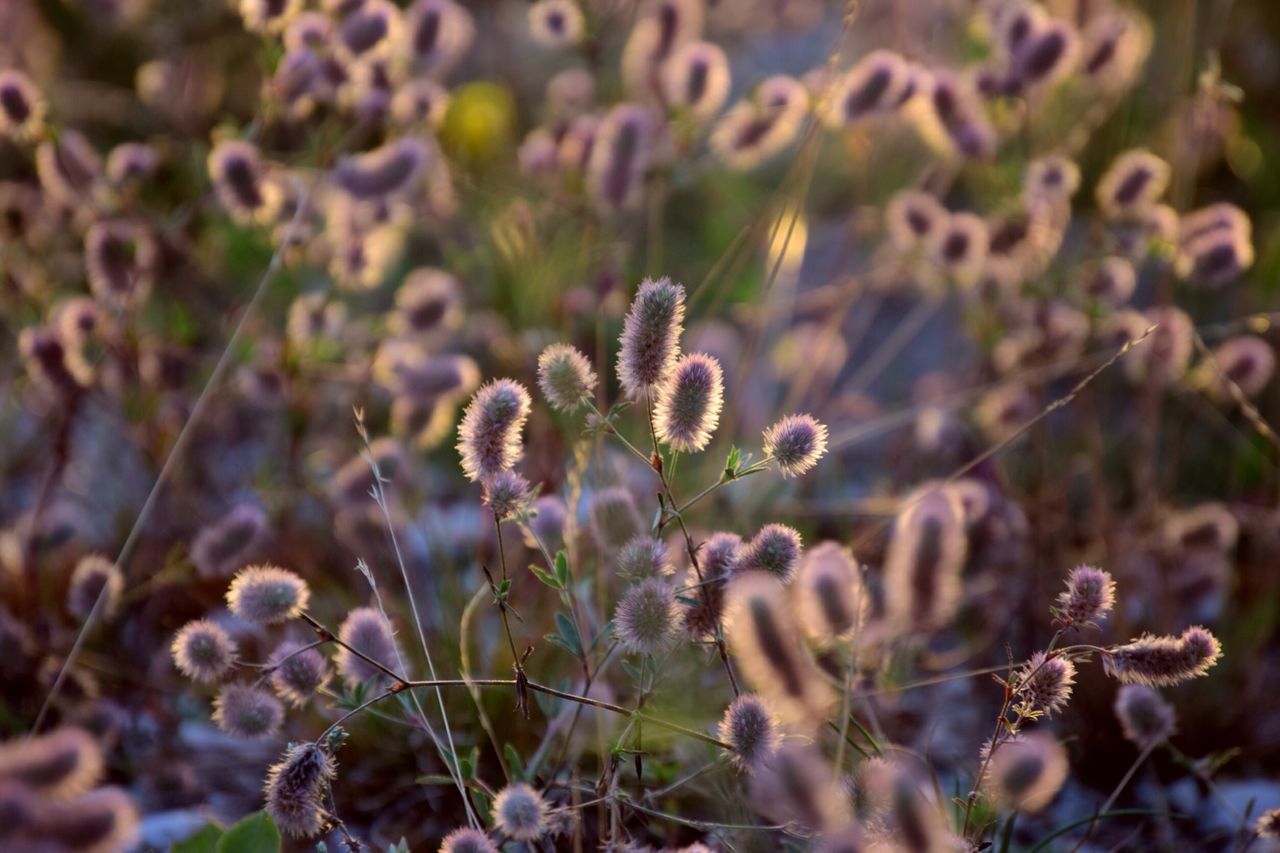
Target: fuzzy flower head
x,y
695,79
520,812
1027,772
245,711
651,336
95,577
565,377
796,443
265,595
467,840
923,564
1044,684
775,549
1145,717
21,107
689,403
1133,183
366,631
1164,661
644,557
750,729
294,788
224,546
830,597
489,436
556,23
203,651
507,494
57,766
647,617
1088,598
298,672
1268,825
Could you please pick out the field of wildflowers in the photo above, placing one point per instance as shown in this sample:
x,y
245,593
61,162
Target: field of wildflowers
x,y
703,425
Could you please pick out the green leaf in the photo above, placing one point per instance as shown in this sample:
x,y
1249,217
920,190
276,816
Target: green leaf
x,y
562,569
257,833
544,576
570,632
204,841
515,762
468,763
434,779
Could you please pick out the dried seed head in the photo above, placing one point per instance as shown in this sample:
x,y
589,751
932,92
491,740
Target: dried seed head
x,y
565,377
489,435
21,107
245,711
506,493
695,79
556,23
1246,360
775,549
1145,718
831,601
1027,772
467,840
520,812
757,128
95,577
644,557
294,788
766,643
203,651
689,403
1045,683
1134,182
646,620
1088,598
796,443
367,632
922,568
267,594
58,766
1164,661
650,338
297,672
620,155
751,731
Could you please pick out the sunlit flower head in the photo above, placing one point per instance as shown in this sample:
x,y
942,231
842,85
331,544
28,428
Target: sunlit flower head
x,y
265,595
295,788
875,85
647,617
795,443
268,16
1027,772
913,218
489,437
57,766
830,598
246,711
439,34
751,731
650,338
1135,181
203,651
758,127
467,840
644,557
297,672
506,493
556,23
520,812
1246,361
239,176
1164,661
21,106
695,79
366,631
922,568
689,402
1088,598
1044,683
565,377
620,155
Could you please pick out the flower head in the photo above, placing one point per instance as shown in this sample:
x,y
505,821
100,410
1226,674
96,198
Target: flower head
x,y
922,567
297,672
651,336
203,651
265,595
367,632
21,107
225,546
644,557
1268,825
1133,183
58,766
507,494
565,377
245,711
520,812
689,403
1027,772
1045,683
1088,598
95,577
646,618
467,840
774,549
1145,717
294,787
750,729
796,443
489,436
1164,661
830,598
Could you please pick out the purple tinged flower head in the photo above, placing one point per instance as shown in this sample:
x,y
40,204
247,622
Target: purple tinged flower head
x,y
756,128
507,494
620,156
297,672
650,340
695,79
556,23
1163,357
440,33
120,261
1049,54
831,600
102,819
268,16
1044,683
1027,772
267,594
647,617
566,377
467,840
1268,824
95,577
775,549
203,651
644,557
238,175
1133,183
1052,178
913,218
389,170
294,789
245,711
689,403
21,107
1145,717
876,84
1111,280
520,812
795,785
367,632
750,729
489,436
1115,46
1207,527
922,568
547,517
1166,660
1246,361
796,443
718,559
1088,598
57,766
226,545
131,162
961,246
